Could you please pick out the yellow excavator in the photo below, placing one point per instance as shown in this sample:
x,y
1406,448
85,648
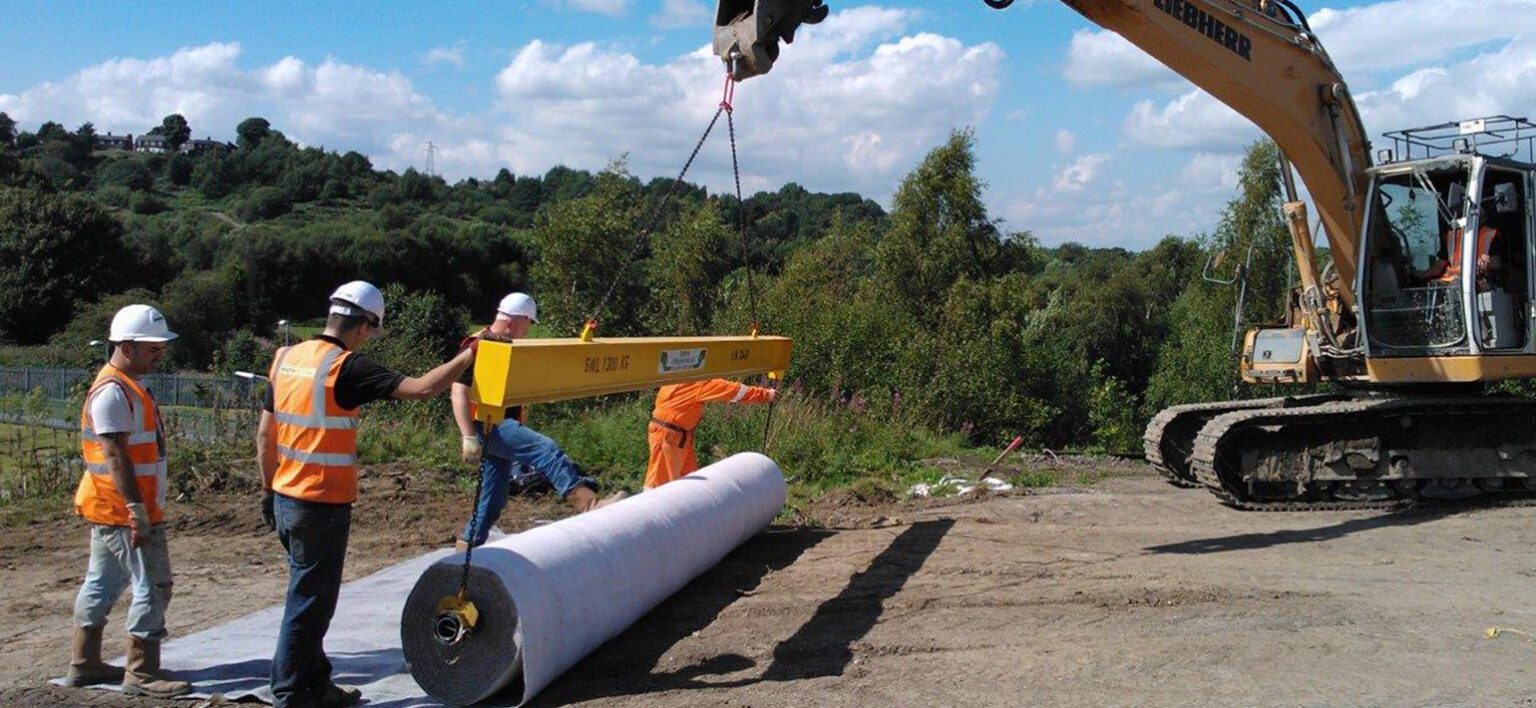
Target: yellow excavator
x,y
1408,319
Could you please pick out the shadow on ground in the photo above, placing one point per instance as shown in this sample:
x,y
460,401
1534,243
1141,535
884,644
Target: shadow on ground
x,y
820,647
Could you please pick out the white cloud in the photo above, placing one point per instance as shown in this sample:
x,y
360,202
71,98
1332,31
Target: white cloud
x,y
445,55
1192,121
1080,174
1094,206
681,13
855,105
612,8
1103,58
1066,142
1402,34
331,103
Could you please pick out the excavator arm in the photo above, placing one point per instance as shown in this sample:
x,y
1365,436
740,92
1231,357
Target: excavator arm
x,y
1259,57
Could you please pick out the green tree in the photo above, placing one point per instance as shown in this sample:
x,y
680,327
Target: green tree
x,y
939,230
690,259
584,245
176,131
57,249
7,131
251,132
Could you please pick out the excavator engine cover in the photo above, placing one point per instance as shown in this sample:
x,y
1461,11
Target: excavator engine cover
x,y
749,31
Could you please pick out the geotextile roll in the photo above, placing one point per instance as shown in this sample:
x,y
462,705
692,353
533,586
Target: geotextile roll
x,y
549,596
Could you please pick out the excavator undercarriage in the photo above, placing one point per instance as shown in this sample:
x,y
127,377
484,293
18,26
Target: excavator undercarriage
x,y
1365,450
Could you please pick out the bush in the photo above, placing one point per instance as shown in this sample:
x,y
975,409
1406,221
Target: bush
x,y
264,203
147,204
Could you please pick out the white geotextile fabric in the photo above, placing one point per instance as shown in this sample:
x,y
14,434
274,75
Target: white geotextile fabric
x,y
583,580
648,547
235,659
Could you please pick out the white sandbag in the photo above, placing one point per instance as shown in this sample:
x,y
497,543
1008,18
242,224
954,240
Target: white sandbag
x,y
549,596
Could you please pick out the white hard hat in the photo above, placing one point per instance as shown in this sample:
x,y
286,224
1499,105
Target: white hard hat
x,y
359,297
518,304
139,323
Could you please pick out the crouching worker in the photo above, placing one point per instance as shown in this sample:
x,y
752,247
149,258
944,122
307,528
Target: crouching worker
x,y
679,408
306,445
498,448
122,495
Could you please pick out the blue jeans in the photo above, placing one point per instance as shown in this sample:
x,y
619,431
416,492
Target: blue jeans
x,y
315,536
116,563
507,444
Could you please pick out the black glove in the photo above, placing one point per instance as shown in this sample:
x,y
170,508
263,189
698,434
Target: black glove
x,y
267,513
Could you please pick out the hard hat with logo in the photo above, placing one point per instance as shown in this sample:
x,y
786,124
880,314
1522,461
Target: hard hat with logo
x,y
518,304
359,298
139,323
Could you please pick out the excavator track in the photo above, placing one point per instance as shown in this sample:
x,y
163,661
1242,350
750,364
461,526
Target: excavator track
x,y
1169,439
1402,451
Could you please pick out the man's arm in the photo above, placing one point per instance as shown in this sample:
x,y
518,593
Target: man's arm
x,y
120,467
459,394
433,382
723,391
266,448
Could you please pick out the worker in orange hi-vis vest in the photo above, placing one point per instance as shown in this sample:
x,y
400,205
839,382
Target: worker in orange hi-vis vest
x,y
306,446
678,410
122,496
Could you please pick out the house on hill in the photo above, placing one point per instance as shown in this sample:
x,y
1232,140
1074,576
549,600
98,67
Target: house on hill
x,y
152,143
113,142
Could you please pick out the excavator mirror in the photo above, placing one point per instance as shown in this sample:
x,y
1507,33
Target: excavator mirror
x,y
747,32
1505,199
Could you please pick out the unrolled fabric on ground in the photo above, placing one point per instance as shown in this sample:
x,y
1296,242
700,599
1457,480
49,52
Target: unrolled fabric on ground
x,y
549,596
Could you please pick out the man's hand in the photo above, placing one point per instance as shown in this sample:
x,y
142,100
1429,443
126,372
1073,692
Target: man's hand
x,y
268,513
469,449
140,528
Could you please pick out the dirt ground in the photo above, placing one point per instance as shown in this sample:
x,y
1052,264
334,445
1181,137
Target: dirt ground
x,y
1128,592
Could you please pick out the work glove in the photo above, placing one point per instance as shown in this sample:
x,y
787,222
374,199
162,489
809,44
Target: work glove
x,y
140,529
469,449
268,513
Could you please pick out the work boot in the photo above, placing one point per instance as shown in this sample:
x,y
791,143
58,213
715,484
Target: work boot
x,y
338,697
460,545
144,677
87,668
613,498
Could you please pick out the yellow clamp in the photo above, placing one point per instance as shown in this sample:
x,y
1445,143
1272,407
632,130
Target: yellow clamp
x,y
589,331
460,606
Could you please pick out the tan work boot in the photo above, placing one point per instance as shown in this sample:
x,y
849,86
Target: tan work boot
x,y
144,677
613,498
460,545
582,499
87,668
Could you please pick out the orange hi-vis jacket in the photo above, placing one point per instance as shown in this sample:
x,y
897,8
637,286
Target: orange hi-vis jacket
x,y
316,438
1452,238
679,408
97,498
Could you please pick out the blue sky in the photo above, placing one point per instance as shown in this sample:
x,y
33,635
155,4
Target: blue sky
x,y
1073,125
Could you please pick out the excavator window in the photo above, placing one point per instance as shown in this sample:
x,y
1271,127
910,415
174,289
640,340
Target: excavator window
x,y
1413,277
1503,266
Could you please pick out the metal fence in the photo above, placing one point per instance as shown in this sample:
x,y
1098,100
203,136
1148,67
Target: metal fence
x,y
192,390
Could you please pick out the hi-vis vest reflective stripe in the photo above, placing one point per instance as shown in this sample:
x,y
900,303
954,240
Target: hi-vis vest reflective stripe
x,y
316,438
97,499
1452,239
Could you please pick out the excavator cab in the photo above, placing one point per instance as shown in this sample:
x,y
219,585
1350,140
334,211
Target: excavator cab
x,y
1446,261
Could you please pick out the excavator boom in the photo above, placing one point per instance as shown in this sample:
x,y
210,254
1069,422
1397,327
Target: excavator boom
x,y
1257,56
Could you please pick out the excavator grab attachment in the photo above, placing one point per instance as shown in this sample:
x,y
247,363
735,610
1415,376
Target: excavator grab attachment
x,y
747,32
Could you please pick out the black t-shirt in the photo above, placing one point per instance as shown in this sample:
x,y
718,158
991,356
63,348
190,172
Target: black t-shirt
x,y
362,380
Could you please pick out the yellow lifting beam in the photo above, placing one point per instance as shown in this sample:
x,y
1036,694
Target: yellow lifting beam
x,y
542,370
